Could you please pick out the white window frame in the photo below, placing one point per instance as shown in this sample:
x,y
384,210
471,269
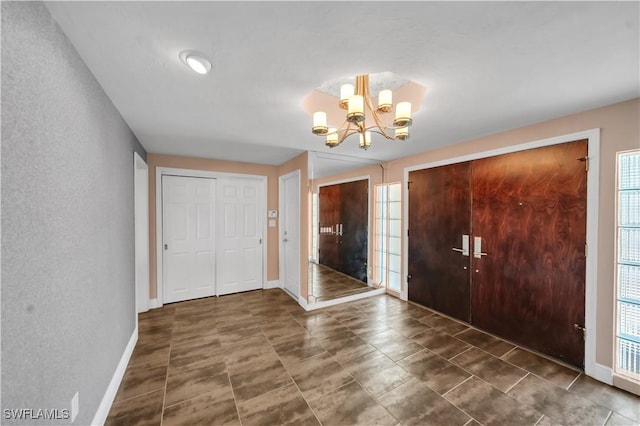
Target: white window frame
x,y
618,368
383,238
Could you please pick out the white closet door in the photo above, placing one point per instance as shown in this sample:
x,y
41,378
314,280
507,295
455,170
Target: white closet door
x,y
290,229
239,228
189,240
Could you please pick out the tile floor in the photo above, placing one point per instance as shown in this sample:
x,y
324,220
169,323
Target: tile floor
x,y
257,358
327,284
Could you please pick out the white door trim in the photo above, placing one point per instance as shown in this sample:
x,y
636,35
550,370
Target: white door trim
x,y
141,232
593,187
281,249
160,171
353,179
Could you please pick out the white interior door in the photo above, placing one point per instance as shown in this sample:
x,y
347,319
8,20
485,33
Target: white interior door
x,y
189,239
290,232
239,246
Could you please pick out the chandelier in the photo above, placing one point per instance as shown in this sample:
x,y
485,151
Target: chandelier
x,y
355,100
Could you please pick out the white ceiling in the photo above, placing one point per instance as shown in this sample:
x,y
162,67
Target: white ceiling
x,y
487,67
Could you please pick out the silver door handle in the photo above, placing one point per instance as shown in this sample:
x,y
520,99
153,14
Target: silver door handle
x,y
465,246
477,248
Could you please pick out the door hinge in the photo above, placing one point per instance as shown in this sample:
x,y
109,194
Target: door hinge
x,y
586,162
586,250
408,186
407,232
408,278
581,328
260,241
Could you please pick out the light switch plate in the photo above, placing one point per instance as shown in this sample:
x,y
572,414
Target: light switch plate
x,y
272,223
273,213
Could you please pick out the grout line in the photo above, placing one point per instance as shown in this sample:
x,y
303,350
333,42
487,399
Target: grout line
x,y
456,386
508,352
608,417
457,355
471,419
539,420
573,381
166,377
516,383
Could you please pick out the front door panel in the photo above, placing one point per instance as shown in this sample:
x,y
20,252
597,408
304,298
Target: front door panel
x,y
439,215
529,209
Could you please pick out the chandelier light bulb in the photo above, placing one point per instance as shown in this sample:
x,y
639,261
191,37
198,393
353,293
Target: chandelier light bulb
x,y
385,101
365,140
346,91
332,137
402,133
403,114
356,109
320,123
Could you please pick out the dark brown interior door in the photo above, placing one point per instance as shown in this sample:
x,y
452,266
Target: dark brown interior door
x,y
329,216
529,209
354,210
439,215
345,208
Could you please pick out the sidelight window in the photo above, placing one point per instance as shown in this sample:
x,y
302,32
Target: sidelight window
x,y
628,259
388,227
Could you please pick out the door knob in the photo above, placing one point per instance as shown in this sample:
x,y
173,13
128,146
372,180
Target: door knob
x,y
465,246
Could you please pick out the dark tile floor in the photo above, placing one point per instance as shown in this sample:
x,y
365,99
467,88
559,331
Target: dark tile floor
x,y
257,358
327,284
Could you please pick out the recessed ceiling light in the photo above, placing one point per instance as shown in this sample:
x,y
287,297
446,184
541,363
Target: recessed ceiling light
x,y
196,61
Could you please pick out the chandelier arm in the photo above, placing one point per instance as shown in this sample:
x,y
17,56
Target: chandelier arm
x,y
370,129
346,133
376,119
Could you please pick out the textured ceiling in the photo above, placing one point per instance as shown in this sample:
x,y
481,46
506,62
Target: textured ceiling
x,y
487,67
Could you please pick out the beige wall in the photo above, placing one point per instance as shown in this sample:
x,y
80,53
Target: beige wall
x,y
620,130
301,162
157,160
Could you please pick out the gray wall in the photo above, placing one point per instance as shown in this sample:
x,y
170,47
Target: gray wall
x,y
67,222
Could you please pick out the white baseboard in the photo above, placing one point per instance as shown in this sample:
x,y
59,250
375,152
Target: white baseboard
x,y
271,284
105,405
303,302
154,304
626,383
333,302
603,373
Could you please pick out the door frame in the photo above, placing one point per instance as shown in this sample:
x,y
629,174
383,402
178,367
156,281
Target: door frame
x,y
171,171
281,250
591,368
141,232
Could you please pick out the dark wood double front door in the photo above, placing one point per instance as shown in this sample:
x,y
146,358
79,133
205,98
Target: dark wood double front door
x,y
343,217
524,214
